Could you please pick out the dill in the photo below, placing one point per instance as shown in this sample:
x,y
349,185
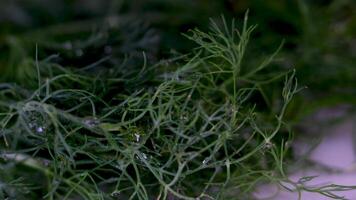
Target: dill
x,y
189,130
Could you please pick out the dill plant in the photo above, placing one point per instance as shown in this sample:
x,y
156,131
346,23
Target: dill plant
x,y
187,128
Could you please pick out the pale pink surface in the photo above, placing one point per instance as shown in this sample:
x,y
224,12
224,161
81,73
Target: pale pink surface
x,y
335,151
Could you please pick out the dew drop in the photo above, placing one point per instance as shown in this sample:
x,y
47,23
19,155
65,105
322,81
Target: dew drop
x,y
31,125
56,182
184,118
91,122
210,119
115,193
68,45
268,145
107,49
120,165
79,52
205,161
137,137
46,162
40,129
144,156
156,123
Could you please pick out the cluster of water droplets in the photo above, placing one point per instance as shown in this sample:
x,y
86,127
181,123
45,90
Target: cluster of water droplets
x,y
268,145
184,118
70,47
78,51
142,157
35,119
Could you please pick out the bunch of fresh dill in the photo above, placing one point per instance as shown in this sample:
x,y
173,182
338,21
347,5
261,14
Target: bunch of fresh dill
x,y
192,127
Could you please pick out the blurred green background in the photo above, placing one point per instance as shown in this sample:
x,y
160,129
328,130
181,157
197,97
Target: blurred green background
x,y
319,37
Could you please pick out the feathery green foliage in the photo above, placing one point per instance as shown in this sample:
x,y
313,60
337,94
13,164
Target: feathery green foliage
x,y
188,128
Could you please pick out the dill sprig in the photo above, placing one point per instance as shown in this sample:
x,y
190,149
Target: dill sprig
x,y
186,129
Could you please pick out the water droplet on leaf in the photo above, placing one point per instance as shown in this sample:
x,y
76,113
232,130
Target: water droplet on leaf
x,y
137,137
115,193
40,129
108,49
67,45
205,161
79,52
268,145
91,122
46,162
